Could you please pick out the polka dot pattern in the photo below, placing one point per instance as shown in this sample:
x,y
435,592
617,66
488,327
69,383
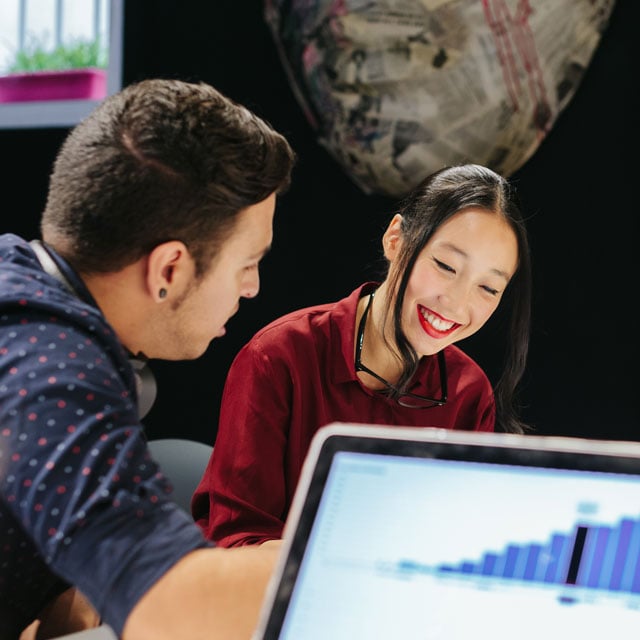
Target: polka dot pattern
x,y
80,496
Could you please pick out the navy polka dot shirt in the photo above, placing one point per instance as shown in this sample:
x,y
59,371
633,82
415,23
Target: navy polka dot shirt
x,y
81,501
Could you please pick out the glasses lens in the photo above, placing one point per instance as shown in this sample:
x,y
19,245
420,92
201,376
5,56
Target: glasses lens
x,y
415,402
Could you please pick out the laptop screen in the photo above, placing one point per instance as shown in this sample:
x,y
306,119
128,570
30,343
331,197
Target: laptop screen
x,y
451,539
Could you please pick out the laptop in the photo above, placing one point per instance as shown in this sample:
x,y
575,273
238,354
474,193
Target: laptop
x,y
433,534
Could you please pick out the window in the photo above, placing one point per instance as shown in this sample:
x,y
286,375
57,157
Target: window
x,y
23,22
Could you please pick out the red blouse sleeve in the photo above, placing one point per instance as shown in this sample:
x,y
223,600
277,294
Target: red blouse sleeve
x,y
242,496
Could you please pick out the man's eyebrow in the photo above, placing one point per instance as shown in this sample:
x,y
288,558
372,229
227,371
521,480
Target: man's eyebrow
x,y
261,254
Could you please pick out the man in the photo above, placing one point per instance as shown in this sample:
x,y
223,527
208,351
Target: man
x,y
160,208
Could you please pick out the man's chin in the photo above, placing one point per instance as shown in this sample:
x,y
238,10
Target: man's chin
x,y
192,354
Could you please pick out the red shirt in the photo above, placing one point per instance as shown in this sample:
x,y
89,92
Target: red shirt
x,y
294,376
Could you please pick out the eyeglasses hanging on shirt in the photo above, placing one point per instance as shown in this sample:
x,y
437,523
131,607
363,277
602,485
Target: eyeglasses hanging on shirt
x,y
407,399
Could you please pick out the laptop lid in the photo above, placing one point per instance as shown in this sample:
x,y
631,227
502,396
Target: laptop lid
x,y
435,534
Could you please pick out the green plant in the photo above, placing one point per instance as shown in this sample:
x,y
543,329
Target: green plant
x,y
77,54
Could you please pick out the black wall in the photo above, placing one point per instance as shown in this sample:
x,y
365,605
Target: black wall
x,y
577,189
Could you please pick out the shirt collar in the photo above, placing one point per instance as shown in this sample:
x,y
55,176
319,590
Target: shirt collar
x,y
74,279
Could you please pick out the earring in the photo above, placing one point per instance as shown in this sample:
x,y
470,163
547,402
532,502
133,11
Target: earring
x,y
162,293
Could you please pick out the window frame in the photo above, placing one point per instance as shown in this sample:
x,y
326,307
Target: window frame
x,y
66,113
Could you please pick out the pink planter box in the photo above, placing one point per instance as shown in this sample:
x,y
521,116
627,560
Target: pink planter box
x,y
71,84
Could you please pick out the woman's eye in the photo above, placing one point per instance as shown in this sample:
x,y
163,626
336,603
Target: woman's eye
x,y
490,290
443,266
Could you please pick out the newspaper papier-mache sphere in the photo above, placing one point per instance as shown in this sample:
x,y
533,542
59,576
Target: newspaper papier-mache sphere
x,y
395,89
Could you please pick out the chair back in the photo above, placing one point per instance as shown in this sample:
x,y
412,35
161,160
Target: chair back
x,y
183,462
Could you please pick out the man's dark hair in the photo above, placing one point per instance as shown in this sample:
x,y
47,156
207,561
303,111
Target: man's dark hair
x,y
160,160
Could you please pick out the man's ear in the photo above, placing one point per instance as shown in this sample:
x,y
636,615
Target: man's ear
x,y
170,268
392,238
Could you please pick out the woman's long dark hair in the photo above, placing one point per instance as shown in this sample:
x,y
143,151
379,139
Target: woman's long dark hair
x,y
437,198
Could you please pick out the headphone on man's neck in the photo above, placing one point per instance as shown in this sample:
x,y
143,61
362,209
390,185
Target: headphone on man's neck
x,y
145,380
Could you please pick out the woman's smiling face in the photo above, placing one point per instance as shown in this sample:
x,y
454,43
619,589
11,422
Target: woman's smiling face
x,y
458,279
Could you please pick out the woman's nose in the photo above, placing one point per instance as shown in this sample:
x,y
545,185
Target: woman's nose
x,y
454,297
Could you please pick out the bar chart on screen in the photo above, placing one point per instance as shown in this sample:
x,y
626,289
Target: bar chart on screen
x,y
604,557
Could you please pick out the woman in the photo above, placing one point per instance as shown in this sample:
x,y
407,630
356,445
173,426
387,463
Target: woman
x,y
383,355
